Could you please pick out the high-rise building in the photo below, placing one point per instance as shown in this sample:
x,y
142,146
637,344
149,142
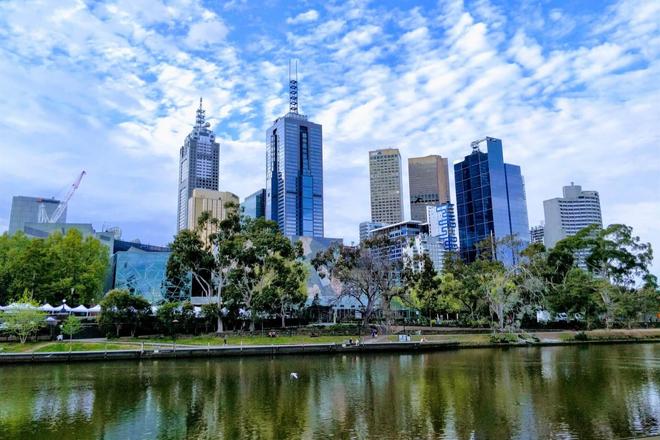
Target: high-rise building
x,y
442,224
254,205
294,172
385,182
199,164
25,210
565,216
428,179
367,227
491,202
536,234
203,200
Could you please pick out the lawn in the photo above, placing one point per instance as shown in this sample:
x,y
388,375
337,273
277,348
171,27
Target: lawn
x,y
84,346
251,340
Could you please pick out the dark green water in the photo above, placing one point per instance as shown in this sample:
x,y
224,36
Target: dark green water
x,y
555,392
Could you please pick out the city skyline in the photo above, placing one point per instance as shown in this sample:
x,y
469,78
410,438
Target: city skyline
x,y
551,84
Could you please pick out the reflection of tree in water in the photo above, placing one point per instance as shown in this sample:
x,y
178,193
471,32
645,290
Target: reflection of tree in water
x,y
568,392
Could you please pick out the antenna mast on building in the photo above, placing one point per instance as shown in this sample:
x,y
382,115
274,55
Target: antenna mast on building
x,y
293,89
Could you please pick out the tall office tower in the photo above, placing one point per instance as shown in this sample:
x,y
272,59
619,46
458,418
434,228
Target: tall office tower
x,y
199,164
367,227
428,179
203,200
26,210
254,205
386,186
536,234
565,216
442,224
294,172
490,196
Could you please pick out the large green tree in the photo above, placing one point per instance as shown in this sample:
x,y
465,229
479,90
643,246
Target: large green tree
x,y
60,267
120,309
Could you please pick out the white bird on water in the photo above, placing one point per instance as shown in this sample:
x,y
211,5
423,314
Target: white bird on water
x,y
294,376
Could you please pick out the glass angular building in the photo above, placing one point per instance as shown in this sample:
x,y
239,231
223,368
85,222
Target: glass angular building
x,y
294,174
491,202
199,164
254,205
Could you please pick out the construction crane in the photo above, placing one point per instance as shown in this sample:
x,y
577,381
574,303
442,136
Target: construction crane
x,y
475,144
43,215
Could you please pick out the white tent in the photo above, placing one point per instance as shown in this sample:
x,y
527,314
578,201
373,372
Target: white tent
x,y
46,308
80,309
62,309
18,306
95,309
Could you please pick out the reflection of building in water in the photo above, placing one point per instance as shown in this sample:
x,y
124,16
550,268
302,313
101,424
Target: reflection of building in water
x,y
53,403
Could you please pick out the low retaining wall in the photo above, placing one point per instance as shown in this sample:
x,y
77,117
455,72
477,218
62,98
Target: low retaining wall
x,y
273,350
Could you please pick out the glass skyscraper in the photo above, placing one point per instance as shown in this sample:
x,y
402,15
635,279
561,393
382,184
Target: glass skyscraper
x,y
294,174
254,205
491,202
199,164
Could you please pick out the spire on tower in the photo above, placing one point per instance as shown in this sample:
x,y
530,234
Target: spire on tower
x,y
293,89
201,114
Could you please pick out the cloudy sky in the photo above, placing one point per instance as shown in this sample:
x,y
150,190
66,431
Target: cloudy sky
x,y
571,87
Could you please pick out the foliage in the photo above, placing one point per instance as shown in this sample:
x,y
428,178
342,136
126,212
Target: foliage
x,y
175,317
366,276
59,267
503,338
71,326
121,309
24,322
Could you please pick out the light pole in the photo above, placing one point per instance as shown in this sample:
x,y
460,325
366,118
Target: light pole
x,y
174,322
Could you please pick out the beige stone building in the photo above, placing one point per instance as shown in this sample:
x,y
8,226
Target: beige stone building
x,y
428,179
208,200
385,181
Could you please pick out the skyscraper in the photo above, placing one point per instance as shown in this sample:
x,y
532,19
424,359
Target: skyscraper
x,y
385,182
25,210
367,227
254,205
490,196
199,164
536,234
294,172
565,216
428,179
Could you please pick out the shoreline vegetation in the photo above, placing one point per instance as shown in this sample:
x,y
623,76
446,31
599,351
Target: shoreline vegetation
x,y
182,347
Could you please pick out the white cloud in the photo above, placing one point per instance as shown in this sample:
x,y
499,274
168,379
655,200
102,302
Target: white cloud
x,y
206,33
304,17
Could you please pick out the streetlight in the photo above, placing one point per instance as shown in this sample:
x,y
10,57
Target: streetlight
x,y
174,322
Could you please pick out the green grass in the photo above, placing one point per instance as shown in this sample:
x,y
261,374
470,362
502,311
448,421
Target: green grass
x,y
84,346
252,340
15,347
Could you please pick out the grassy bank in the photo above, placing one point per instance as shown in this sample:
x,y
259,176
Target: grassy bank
x,y
250,340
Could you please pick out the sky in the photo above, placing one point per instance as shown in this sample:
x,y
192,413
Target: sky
x,y
571,88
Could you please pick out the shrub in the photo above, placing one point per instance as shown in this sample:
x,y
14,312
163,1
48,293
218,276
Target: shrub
x,y
503,338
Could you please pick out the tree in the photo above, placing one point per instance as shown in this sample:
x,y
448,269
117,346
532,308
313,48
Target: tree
x,y
288,290
175,317
71,326
55,268
120,308
367,276
421,288
24,322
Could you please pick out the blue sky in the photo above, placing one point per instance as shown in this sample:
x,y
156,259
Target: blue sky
x,y
571,87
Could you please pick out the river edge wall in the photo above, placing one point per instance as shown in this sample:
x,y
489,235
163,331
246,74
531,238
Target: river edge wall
x,y
277,350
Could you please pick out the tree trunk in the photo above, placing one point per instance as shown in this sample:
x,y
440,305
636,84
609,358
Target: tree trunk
x,y
283,321
221,326
252,325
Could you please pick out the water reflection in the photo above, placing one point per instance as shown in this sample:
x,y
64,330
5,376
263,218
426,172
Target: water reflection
x,y
554,392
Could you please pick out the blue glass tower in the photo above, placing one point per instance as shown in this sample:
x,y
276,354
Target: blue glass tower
x,y
294,169
254,205
491,200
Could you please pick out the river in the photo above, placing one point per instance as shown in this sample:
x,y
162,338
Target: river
x,y
586,392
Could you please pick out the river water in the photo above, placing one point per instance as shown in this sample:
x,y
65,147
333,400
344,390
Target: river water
x,y
606,391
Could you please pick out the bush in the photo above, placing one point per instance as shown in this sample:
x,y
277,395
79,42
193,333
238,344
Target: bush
x,y
581,336
503,338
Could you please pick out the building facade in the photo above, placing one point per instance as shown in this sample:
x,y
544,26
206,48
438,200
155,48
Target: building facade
x,y
203,200
537,234
491,201
428,180
294,174
565,216
25,210
254,205
367,227
385,182
199,165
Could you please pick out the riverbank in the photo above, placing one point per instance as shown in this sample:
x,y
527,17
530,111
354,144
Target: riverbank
x,y
158,349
